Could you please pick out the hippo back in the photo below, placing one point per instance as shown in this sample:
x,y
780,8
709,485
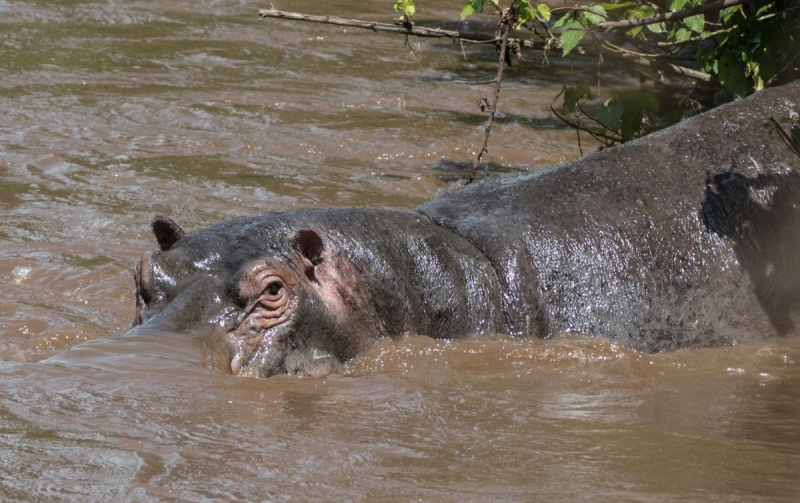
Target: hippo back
x,y
687,237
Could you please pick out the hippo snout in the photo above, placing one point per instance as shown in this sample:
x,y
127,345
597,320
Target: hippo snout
x,y
201,303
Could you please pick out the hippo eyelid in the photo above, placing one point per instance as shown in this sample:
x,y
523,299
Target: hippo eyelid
x,y
262,286
274,288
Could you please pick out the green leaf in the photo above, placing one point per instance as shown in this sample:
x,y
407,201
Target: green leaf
x,y
477,5
543,11
675,5
726,14
467,11
758,82
764,9
570,99
640,12
731,74
571,38
683,35
631,117
524,15
584,92
611,114
566,17
405,7
705,58
615,6
657,27
696,23
766,65
573,95
593,18
648,101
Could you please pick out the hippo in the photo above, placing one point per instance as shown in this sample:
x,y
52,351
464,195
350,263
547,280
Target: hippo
x,y
685,238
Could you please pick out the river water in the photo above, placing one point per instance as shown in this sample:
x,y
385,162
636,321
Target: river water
x,y
114,111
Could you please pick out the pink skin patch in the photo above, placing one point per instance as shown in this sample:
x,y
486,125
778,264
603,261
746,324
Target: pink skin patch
x,y
268,300
266,297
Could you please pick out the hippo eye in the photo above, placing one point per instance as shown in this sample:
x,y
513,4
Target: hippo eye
x,y
274,288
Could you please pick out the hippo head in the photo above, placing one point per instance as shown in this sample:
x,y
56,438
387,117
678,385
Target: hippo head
x,y
266,288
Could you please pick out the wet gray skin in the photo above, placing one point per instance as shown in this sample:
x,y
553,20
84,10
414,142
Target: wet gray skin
x,y
301,292
667,242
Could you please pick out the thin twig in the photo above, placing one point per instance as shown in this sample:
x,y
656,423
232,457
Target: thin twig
x,y
668,67
406,29
403,29
615,48
785,67
618,138
573,125
785,136
578,134
698,38
507,22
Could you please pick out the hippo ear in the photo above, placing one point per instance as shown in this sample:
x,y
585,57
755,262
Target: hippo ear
x,y
310,247
167,232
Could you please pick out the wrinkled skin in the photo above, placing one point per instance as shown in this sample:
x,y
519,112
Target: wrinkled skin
x,y
689,237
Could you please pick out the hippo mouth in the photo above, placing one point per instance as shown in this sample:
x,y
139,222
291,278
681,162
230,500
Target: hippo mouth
x,y
257,355
269,353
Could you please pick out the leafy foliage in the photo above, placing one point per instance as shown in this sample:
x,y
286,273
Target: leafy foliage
x,y
744,47
406,8
620,119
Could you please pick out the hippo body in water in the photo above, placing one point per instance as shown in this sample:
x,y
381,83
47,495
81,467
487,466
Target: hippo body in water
x,y
688,237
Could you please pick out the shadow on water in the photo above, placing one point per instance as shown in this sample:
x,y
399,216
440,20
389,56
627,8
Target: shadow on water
x,y
766,236
450,171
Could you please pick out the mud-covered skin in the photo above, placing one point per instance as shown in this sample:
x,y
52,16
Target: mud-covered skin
x,y
689,237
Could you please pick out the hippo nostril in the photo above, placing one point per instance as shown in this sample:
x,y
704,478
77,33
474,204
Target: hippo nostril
x,y
251,330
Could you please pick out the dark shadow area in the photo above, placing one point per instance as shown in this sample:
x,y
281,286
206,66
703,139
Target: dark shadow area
x,y
766,235
795,135
450,171
479,118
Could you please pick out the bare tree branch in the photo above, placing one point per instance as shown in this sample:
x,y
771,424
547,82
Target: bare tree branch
x,y
405,29
667,16
506,25
479,38
669,67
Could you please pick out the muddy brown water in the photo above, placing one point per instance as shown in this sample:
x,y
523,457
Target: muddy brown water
x,y
112,112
